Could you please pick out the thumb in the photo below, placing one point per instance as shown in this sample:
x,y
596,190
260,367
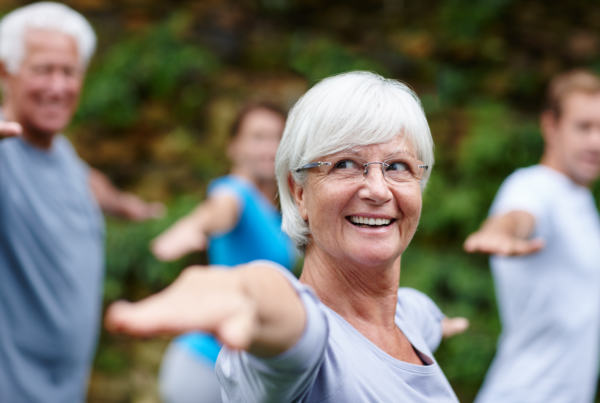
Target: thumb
x,y
237,332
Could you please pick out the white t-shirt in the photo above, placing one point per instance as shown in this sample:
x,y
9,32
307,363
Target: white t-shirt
x,y
334,363
549,301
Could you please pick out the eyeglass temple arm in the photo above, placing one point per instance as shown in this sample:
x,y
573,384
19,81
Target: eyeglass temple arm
x,y
313,165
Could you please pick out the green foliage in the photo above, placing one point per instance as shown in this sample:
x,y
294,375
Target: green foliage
x,y
155,64
158,98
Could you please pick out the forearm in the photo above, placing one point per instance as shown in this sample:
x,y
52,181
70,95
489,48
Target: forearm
x,y
107,195
216,214
518,224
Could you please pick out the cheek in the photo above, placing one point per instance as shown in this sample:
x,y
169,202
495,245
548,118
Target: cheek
x,y
410,204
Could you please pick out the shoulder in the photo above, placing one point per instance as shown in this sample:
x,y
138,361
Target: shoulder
x,y
415,303
228,184
535,178
529,189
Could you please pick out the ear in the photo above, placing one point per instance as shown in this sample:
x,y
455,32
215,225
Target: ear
x,y
298,194
548,125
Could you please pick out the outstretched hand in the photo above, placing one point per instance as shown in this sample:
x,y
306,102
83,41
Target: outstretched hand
x,y
500,243
251,307
135,208
199,300
10,129
178,241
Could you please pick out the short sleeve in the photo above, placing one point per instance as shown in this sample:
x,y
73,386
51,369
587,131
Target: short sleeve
x,y
424,313
520,192
226,187
287,377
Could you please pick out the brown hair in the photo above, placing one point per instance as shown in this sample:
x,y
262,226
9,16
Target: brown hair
x,y
249,108
578,80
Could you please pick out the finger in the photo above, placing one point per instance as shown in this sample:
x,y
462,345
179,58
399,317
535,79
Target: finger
x,y
149,317
528,247
237,332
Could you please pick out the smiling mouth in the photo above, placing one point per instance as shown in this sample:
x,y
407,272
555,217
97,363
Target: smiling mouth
x,y
367,222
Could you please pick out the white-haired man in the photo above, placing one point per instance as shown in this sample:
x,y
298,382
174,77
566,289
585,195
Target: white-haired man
x,y
544,230
51,229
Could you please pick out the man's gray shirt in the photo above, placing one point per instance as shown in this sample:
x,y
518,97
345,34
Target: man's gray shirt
x,y
51,272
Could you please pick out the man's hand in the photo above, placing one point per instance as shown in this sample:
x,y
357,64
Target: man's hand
x,y
10,129
251,307
503,244
453,326
120,204
506,235
179,240
134,208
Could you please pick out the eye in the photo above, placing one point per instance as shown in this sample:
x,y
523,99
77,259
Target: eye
x,y
345,164
398,166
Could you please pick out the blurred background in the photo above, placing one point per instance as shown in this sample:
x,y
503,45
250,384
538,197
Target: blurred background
x,y
169,77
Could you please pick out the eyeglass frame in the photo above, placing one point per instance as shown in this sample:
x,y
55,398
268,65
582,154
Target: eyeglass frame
x,y
366,166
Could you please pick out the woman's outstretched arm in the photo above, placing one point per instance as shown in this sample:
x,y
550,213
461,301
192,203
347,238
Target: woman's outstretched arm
x,y
189,234
253,308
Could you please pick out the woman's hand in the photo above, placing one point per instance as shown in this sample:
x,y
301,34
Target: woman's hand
x,y
252,308
182,238
453,326
218,214
10,129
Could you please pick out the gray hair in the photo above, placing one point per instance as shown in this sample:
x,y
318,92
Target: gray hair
x,y
43,15
343,112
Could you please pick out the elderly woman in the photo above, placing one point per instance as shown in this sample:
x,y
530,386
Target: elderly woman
x,y
355,156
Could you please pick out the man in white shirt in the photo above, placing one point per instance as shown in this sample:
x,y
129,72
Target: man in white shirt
x,y
543,231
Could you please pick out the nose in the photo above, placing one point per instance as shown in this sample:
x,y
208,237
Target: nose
x,y
375,188
58,81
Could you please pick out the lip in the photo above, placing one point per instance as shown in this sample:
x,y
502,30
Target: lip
x,y
373,230
369,215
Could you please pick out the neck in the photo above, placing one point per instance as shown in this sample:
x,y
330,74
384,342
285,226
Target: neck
x,y
267,187
364,297
30,134
550,160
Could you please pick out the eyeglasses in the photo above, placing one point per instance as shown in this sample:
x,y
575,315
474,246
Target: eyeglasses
x,y
353,168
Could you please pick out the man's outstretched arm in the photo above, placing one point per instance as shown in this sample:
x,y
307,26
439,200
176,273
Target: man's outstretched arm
x,y
505,235
121,204
253,308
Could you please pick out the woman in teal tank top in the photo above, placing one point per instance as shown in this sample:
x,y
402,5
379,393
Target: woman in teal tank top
x,y
238,223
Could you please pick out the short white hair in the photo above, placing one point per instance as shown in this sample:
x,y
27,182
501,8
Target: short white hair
x,y
43,15
340,113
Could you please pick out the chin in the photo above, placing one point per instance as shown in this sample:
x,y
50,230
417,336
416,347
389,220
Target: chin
x,y
50,127
373,257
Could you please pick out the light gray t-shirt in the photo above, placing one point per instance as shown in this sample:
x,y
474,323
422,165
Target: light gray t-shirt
x,y
334,363
51,272
549,301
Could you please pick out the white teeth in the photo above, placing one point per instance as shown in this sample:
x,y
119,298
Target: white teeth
x,y
370,221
